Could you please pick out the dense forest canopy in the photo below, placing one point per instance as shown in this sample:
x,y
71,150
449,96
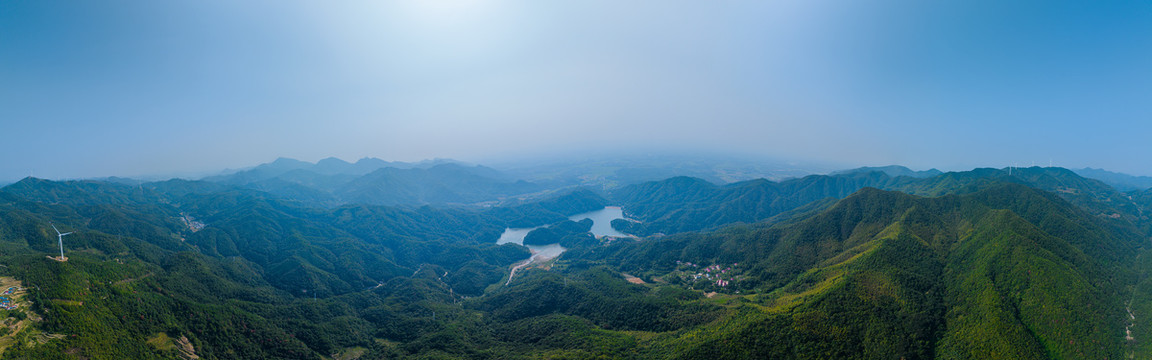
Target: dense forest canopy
x,y
1039,263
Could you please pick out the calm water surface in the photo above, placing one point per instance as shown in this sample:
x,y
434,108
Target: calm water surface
x,y
601,226
602,221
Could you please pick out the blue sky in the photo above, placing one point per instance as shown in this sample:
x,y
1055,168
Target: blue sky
x,y
100,88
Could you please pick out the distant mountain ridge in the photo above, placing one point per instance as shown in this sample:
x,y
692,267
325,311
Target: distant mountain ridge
x,y
1120,181
326,166
891,170
332,182
614,170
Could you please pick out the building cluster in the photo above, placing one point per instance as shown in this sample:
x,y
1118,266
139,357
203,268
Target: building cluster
x,y
719,274
191,223
6,302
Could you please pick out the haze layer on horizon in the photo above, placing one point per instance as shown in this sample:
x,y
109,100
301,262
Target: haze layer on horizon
x,y
143,87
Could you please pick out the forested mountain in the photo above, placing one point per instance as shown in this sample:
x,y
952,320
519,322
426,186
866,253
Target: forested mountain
x,y
688,204
1003,272
253,257
1039,263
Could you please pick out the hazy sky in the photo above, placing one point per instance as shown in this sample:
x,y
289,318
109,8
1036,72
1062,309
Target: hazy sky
x,y
98,88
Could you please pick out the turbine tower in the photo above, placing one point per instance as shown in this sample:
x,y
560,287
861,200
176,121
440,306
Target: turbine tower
x,y
60,238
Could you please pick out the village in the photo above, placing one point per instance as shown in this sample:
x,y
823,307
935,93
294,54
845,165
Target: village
x,y
6,301
715,277
191,222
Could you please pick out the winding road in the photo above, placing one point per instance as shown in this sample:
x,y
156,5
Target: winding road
x,y
516,267
536,257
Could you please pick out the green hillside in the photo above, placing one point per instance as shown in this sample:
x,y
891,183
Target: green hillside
x,y
688,204
1007,272
988,266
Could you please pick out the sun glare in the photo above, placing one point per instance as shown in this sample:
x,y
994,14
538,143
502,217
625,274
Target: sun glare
x,y
446,12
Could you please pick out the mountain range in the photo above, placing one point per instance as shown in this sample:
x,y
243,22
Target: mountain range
x,y
1120,181
389,260
332,182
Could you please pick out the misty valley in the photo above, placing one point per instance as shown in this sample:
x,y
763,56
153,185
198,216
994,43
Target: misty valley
x,y
445,260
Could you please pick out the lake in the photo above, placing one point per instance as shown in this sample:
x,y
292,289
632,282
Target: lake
x,y
539,252
601,226
515,236
602,221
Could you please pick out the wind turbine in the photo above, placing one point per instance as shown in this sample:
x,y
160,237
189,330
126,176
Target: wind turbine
x,y
60,237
